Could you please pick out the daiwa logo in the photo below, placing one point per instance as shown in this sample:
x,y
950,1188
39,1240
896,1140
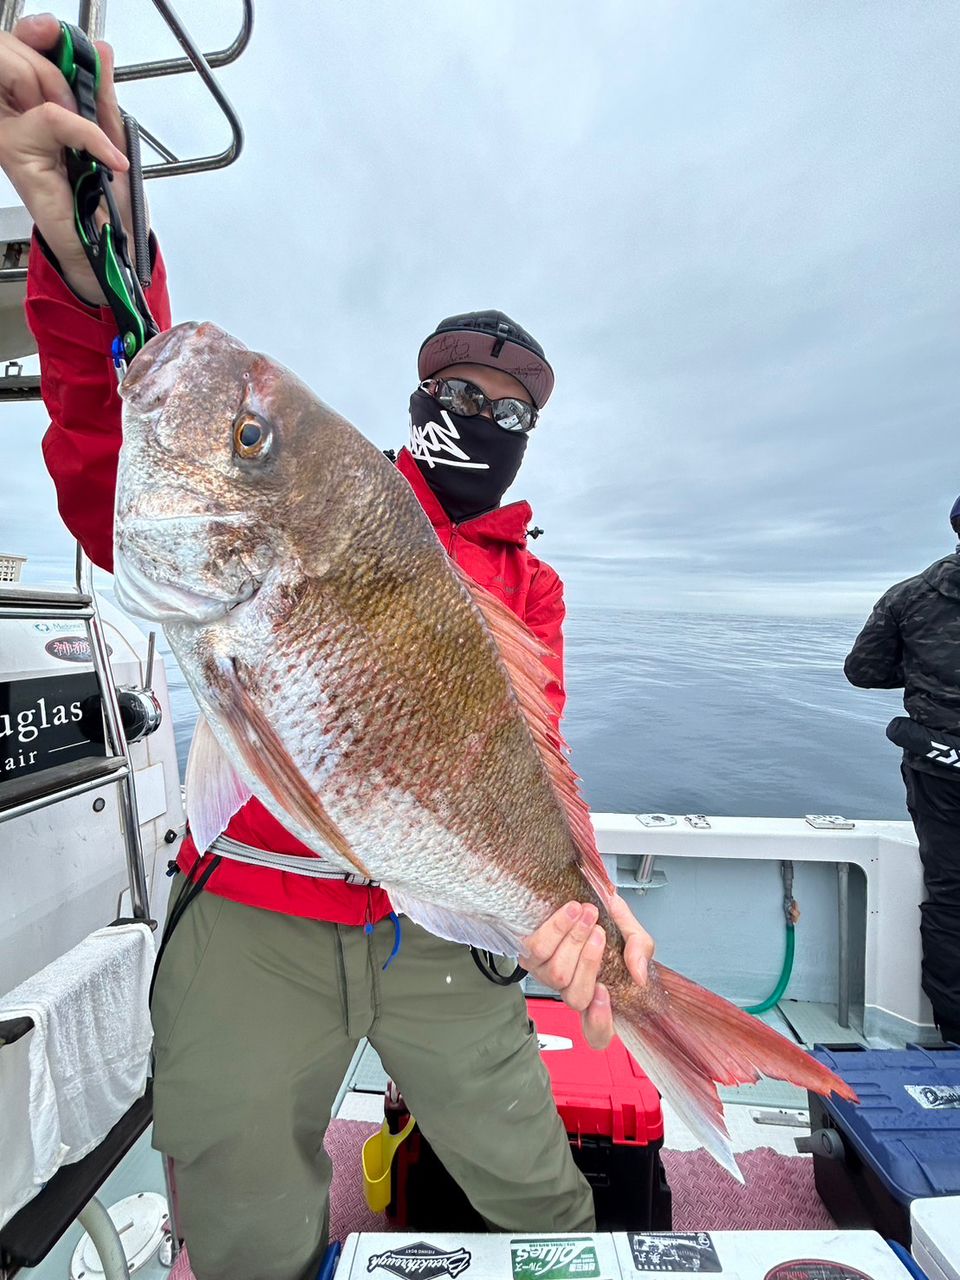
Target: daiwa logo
x,y
422,1260
944,754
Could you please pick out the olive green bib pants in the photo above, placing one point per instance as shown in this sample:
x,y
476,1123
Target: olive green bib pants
x,y
257,1016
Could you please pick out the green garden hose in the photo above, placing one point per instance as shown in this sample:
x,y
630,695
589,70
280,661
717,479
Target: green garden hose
x,y
776,995
791,914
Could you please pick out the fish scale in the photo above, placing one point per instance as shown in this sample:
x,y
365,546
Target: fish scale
x,y
390,747
391,714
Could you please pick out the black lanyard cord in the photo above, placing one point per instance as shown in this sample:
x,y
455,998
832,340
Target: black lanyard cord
x,y
486,962
189,890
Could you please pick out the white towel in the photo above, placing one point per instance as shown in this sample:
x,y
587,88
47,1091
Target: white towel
x,y
85,1063
16,1147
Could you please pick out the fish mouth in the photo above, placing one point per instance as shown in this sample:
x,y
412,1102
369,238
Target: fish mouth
x,y
153,583
162,600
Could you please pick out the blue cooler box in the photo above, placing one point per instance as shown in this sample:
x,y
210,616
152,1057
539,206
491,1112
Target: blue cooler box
x,y
900,1144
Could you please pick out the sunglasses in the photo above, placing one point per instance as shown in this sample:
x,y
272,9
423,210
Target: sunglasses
x,y
459,396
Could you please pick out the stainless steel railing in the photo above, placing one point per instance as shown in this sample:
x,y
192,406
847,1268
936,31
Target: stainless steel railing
x,y
92,18
116,768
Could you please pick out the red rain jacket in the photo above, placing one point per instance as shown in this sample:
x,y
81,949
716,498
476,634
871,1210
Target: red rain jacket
x,y
81,445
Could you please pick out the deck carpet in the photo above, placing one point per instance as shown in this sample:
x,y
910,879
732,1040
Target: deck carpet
x,y
778,1193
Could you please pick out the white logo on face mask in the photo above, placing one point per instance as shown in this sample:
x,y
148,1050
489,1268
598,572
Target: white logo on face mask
x,y
435,444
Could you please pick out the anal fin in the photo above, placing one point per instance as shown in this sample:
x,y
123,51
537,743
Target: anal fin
x,y
456,926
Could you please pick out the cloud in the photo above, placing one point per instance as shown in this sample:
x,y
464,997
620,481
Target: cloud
x,y
733,228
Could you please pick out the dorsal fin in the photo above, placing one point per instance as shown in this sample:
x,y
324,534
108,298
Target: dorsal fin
x,y
523,656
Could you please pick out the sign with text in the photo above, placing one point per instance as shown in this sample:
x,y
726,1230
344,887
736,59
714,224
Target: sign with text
x,y
44,722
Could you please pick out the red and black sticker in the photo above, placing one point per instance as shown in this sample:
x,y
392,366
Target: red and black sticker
x,y
815,1269
673,1251
71,648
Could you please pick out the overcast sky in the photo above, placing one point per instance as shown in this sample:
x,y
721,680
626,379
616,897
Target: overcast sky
x,y
733,226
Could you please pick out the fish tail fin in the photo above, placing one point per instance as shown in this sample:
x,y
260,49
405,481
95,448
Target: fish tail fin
x,y
689,1040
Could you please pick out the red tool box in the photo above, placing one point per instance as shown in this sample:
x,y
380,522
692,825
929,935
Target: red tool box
x,y
614,1121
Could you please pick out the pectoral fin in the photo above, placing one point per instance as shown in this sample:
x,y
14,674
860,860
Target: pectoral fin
x,y
269,761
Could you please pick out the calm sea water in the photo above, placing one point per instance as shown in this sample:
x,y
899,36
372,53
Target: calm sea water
x,y
693,713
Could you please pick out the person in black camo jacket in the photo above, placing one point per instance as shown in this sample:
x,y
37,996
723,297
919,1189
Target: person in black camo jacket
x,y
911,641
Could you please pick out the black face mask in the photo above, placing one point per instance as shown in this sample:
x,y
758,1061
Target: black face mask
x,y
469,463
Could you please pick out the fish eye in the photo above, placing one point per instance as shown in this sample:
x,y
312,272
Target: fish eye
x,y
251,437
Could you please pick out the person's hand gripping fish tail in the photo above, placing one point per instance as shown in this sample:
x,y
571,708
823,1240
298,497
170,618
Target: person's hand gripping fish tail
x,y
685,1037
392,714
566,954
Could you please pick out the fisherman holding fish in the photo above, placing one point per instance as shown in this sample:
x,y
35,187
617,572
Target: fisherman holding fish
x,y
271,977
378,660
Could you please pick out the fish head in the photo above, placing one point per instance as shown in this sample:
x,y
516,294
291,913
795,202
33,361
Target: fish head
x,y
222,462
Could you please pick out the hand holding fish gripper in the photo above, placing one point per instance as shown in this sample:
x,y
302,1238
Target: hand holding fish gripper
x,y
106,245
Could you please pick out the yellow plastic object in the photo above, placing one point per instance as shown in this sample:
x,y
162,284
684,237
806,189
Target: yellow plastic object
x,y
377,1157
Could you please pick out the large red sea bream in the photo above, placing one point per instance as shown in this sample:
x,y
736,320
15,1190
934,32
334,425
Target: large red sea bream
x,y
388,712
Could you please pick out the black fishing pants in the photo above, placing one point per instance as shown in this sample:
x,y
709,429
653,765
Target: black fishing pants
x,y
934,805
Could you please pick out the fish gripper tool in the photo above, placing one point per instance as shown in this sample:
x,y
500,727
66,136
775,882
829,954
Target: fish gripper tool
x,y
106,245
